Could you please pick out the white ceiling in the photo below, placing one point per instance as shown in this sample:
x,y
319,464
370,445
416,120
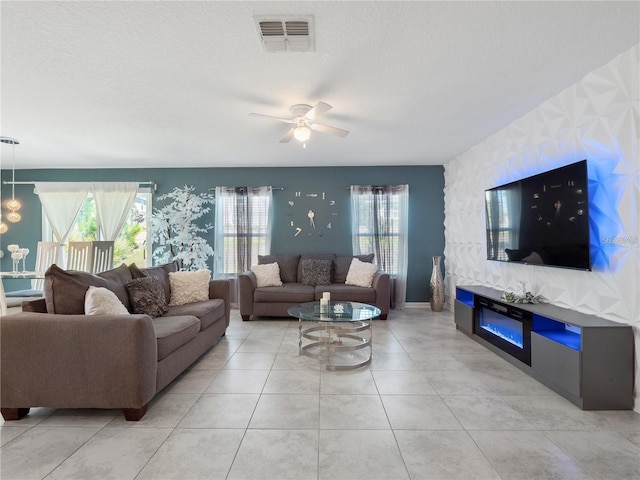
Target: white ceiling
x,y
165,84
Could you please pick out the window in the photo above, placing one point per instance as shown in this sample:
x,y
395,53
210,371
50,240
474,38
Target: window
x,y
131,245
379,216
243,230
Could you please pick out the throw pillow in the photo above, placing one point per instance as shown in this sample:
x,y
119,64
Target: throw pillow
x,y
64,290
341,266
316,272
102,301
189,287
288,265
312,256
361,273
147,296
161,272
267,275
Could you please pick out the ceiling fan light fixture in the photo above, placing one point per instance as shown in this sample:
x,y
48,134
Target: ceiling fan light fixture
x,y
302,133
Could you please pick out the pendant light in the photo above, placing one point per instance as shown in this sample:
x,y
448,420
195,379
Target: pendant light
x,y
13,204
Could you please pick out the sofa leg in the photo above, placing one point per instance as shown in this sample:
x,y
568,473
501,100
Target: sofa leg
x,y
13,413
245,318
383,316
134,414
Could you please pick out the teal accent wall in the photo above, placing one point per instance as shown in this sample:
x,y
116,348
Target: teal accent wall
x,y
426,206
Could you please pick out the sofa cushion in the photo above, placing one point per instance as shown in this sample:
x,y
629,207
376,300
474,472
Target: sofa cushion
x,y
64,290
341,292
312,256
101,301
361,273
288,265
161,272
147,296
208,312
174,332
286,293
316,272
341,265
267,275
189,287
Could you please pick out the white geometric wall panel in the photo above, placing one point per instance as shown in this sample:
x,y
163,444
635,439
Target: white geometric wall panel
x,y
597,119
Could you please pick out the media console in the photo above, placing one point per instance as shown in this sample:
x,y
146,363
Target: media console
x,y
586,359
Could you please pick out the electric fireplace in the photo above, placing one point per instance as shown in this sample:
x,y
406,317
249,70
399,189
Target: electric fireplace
x,y
505,326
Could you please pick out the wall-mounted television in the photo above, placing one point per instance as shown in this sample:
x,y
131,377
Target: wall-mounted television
x,y
541,220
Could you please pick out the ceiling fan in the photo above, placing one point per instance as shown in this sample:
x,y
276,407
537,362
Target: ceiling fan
x,y
303,120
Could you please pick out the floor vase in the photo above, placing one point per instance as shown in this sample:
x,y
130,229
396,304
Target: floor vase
x,y
436,286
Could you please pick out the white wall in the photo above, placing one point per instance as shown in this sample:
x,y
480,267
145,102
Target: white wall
x,y
598,118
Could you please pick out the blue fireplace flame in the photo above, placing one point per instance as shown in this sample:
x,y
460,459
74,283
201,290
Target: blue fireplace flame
x,y
503,327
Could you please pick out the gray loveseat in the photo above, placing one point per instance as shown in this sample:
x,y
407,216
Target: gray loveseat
x,y
274,301
52,357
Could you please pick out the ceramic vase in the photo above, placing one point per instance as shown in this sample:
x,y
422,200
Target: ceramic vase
x,y
436,286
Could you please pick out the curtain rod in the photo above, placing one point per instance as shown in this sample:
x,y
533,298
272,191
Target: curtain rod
x,y
32,182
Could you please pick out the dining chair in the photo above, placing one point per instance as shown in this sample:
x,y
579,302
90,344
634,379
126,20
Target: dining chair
x,y
79,256
101,256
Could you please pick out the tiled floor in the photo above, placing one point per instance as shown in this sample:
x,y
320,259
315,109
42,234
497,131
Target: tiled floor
x,y
433,405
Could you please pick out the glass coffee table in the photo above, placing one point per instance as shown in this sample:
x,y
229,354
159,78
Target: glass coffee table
x,y
340,337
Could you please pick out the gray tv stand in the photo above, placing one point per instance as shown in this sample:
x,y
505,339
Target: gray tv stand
x,y
584,358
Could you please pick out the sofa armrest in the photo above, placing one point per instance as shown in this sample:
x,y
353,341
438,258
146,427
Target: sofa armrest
x,y
77,361
382,285
222,289
246,287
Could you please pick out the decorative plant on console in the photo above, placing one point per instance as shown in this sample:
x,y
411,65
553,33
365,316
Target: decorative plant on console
x,y
521,296
175,229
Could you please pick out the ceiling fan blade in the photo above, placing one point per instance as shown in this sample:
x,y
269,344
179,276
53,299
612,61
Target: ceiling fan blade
x,y
330,130
287,138
318,109
271,117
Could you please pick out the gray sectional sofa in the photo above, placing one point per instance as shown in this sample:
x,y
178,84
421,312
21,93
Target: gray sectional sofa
x,y
52,357
274,301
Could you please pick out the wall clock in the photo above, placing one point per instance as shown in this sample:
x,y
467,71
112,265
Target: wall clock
x,y
312,214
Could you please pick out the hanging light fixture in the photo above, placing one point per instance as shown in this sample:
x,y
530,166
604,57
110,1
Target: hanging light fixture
x,y
302,133
13,204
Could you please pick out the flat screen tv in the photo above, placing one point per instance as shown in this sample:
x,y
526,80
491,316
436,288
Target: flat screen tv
x,y
541,220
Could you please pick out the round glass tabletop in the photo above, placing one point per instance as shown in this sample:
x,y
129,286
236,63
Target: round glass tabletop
x,y
336,312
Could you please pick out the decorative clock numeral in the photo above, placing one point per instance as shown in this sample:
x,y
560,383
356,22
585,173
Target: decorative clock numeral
x,y
291,223
329,225
297,194
291,203
298,230
323,195
332,202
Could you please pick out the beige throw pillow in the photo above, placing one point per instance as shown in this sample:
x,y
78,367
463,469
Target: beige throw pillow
x,y
267,275
102,301
361,273
189,287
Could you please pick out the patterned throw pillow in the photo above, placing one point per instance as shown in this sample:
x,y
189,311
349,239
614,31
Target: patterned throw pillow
x,y
147,296
267,275
361,273
102,301
316,272
189,287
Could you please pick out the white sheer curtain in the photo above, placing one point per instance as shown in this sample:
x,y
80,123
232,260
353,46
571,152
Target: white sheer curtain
x,y
380,225
61,202
113,202
242,229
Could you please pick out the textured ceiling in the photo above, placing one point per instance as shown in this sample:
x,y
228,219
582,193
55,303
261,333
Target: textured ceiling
x,y
164,84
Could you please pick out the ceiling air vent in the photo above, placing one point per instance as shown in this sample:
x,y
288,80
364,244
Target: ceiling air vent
x,y
286,34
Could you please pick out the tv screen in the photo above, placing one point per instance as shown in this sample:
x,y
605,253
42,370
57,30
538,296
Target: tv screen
x,y
541,220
